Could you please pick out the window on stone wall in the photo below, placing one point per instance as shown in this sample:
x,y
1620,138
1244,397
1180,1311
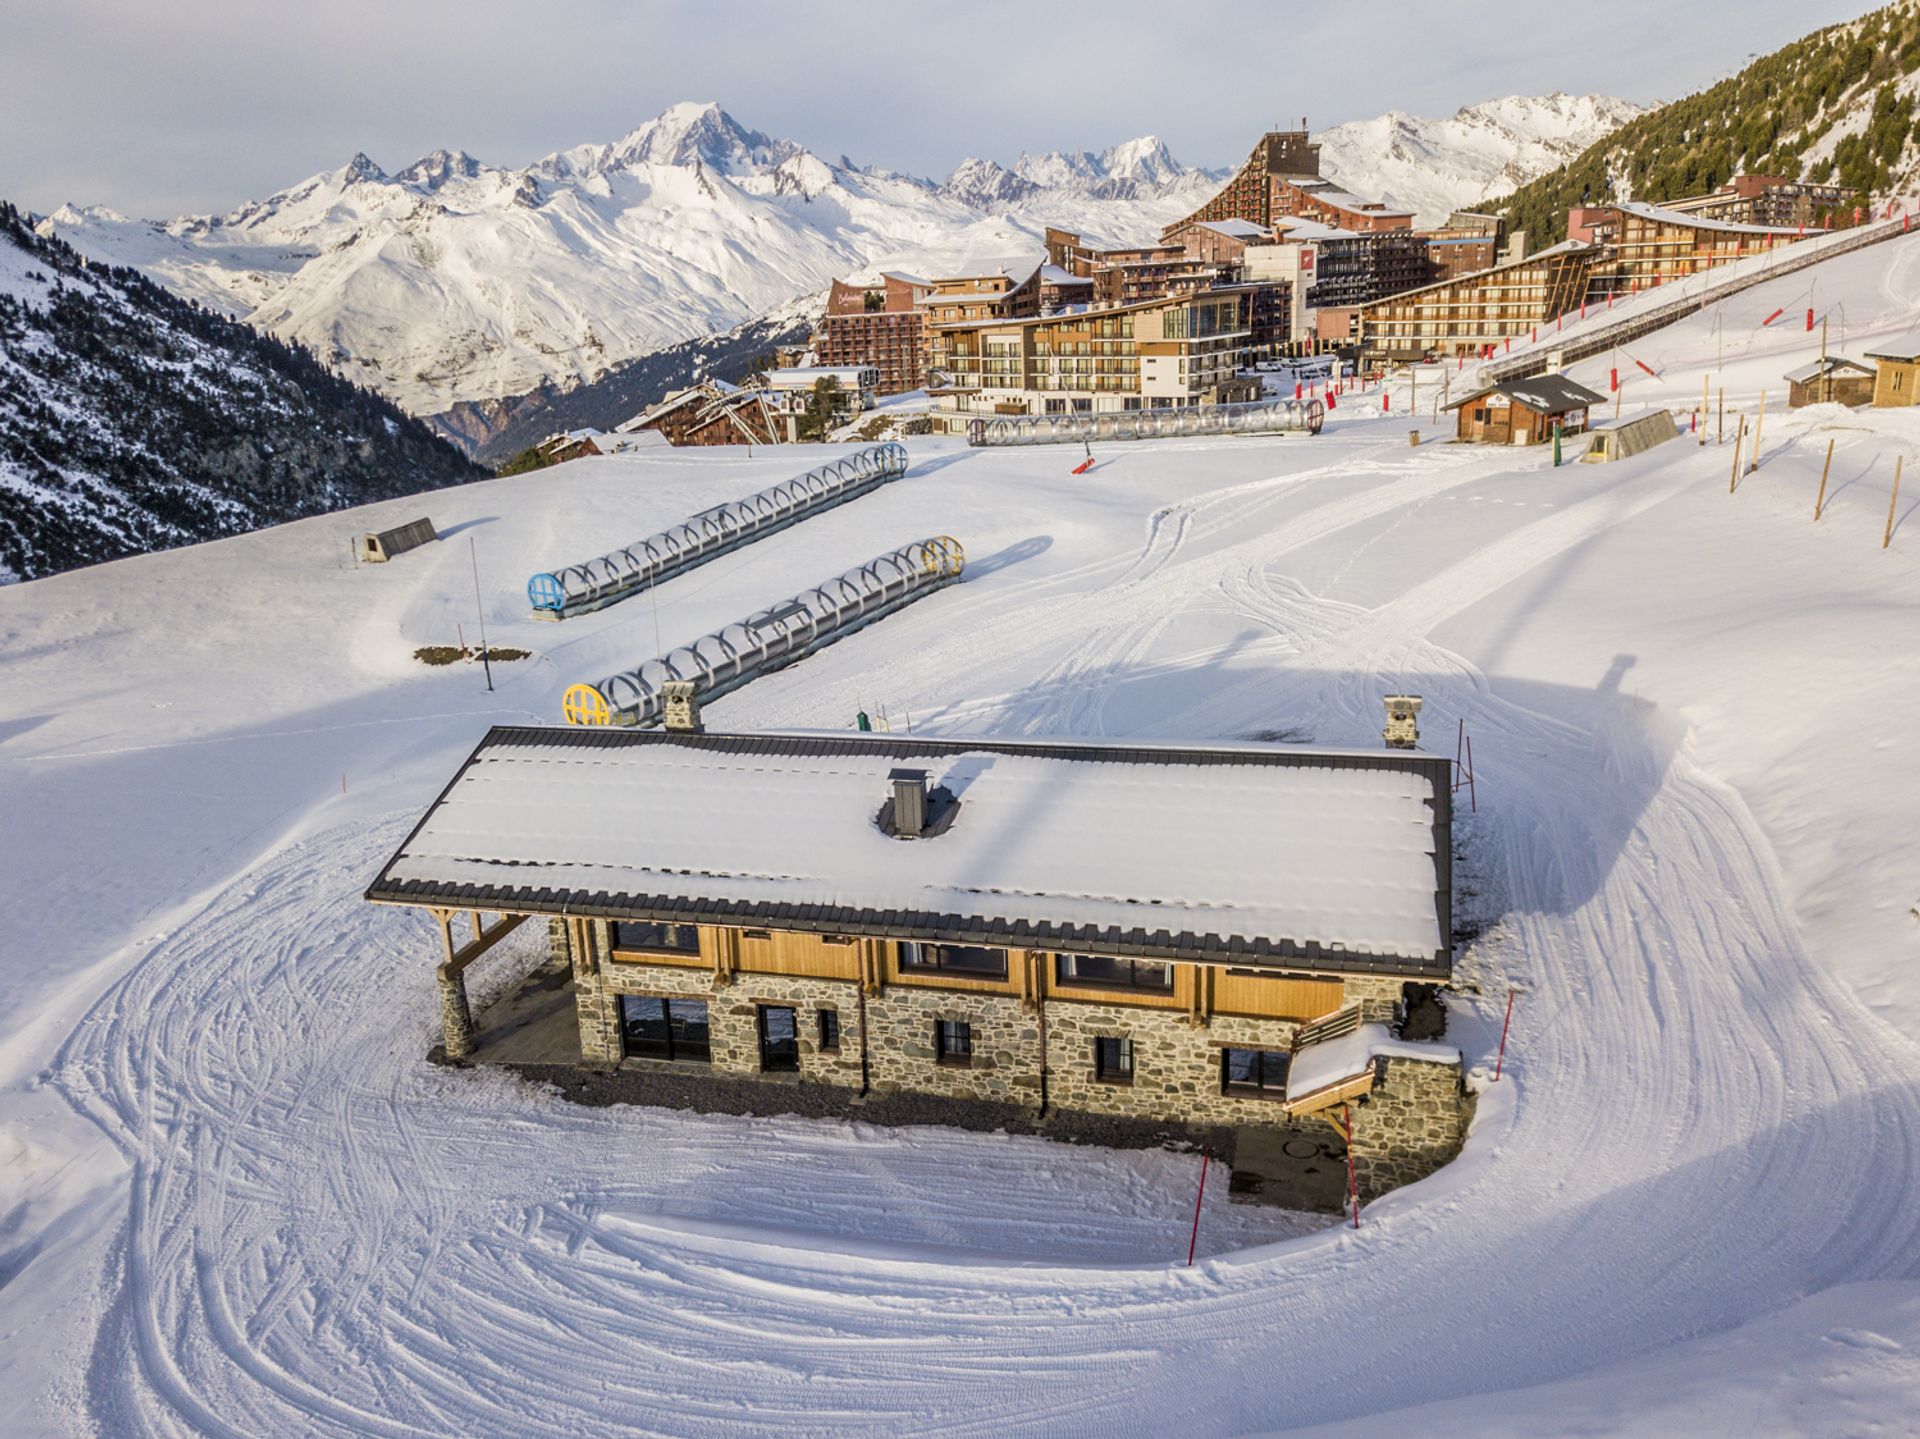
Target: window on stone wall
x,y
1254,1071
666,1028
779,1040
830,1031
968,961
953,1041
665,938
1113,1060
1098,969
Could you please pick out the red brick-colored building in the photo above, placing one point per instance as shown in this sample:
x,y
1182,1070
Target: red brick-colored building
x,y
879,325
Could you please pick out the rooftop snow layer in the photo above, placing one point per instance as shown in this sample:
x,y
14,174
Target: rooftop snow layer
x,y
1307,847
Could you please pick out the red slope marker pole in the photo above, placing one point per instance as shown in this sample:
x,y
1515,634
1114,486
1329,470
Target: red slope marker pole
x,y
1353,1185
1500,1063
1193,1241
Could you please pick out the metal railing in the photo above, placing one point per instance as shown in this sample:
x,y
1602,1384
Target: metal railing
x,y
1265,417
762,643
593,584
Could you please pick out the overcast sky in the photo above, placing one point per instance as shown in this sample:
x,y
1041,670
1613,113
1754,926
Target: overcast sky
x,y
196,105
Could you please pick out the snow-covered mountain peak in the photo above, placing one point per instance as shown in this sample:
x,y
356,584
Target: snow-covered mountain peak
x,y
1146,160
431,172
696,131
1477,154
360,169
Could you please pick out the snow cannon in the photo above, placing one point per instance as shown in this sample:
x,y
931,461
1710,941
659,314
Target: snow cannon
x,y
761,643
593,584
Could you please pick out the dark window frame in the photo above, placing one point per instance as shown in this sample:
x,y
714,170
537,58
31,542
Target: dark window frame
x,y
1262,1085
1113,1059
1061,975
953,1042
674,1036
672,938
778,1056
828,1023
926,958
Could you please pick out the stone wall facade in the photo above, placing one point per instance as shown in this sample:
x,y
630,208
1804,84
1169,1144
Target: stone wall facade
x,y
1176,1063
1024,1054
1413,1122
1006,1060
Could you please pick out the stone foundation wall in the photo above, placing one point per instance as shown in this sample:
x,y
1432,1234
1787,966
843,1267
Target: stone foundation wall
x,y
739,1003
1176,1064
1005,1067
1414,1121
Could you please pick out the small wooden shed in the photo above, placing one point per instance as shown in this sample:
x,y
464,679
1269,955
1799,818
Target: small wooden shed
x,y
380,546
1897,381
1524,412
1830,380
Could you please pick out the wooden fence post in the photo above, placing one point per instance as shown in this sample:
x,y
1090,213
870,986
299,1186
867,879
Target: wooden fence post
x,y
1821,500
1733,482
1753,461
1887,538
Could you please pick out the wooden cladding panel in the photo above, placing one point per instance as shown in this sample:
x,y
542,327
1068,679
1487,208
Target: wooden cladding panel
x,y
1260,997
789,952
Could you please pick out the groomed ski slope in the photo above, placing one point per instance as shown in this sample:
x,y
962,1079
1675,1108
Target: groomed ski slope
x,y
239,1202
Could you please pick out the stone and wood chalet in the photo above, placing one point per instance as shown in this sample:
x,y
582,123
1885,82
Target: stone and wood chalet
x,y
1200,935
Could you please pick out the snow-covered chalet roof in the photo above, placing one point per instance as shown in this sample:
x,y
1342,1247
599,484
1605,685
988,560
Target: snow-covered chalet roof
x,y
1814,369
1303,859
1543,394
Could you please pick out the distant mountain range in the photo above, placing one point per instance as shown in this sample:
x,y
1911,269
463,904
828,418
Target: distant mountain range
x,y
455,281
133,421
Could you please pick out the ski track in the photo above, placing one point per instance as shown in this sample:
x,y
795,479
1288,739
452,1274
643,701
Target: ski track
x,y
327,1237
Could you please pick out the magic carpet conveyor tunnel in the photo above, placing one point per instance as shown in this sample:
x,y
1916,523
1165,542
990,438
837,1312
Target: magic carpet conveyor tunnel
x,y
593,584
764,642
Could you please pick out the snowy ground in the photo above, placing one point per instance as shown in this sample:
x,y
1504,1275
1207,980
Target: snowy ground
x,y
237,1202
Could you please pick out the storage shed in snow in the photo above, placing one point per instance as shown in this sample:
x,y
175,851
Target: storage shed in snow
x,y
1524,412
379,546
1829,380
1150,932
1630,435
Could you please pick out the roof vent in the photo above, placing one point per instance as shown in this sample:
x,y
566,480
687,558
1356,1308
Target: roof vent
x,y
909,802
1403,722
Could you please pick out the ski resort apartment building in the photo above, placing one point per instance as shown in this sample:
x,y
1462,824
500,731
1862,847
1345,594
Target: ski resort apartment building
x,y
1184,349
1616,249
876,325
1184,935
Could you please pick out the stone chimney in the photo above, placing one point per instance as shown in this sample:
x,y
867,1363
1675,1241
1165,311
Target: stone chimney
x,y
682,707
1403,722
909,802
